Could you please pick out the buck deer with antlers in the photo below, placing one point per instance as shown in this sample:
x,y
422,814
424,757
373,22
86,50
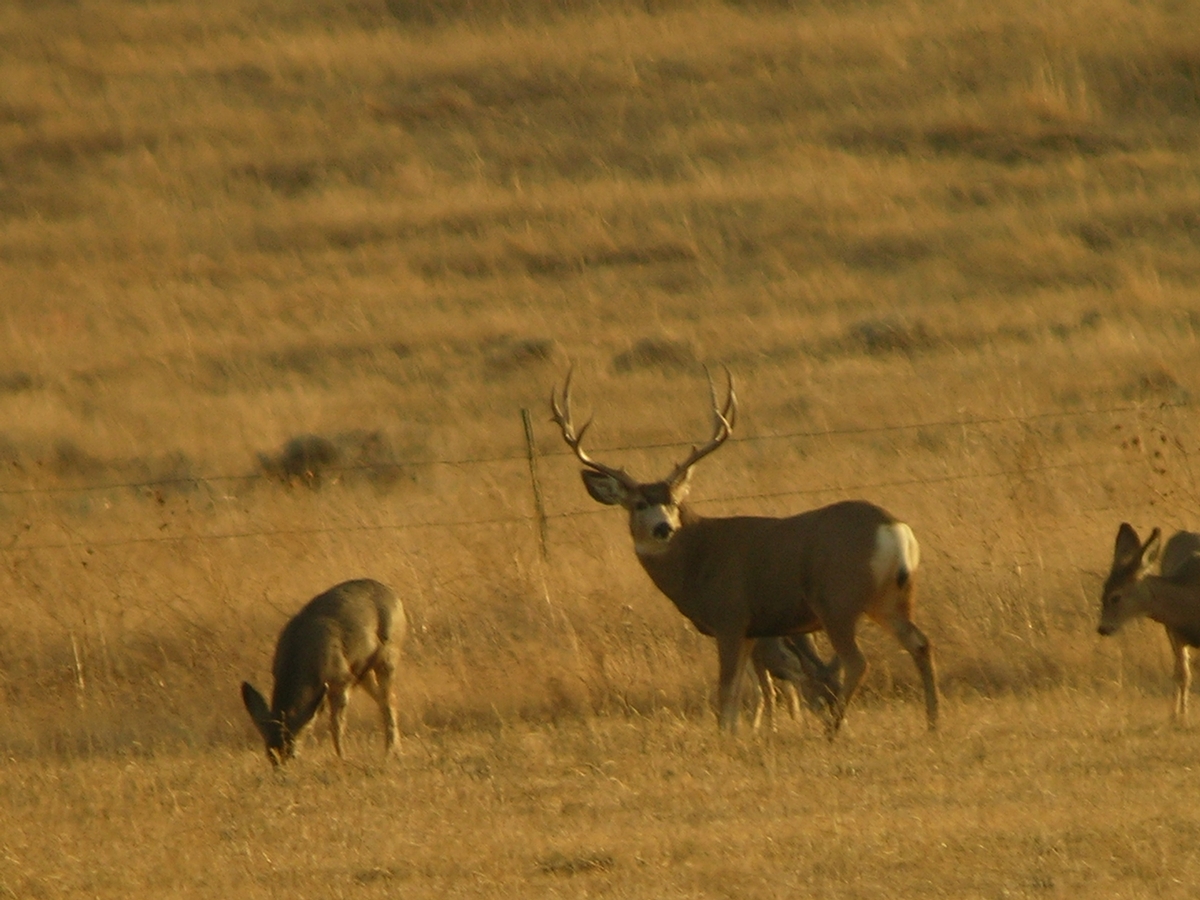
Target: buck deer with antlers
x,y
747,577
1171,598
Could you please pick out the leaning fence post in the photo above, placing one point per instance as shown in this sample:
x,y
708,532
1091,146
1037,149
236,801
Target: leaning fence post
x,y
539,506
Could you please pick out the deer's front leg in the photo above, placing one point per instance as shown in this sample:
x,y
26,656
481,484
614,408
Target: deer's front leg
x,y
732,653
1183,675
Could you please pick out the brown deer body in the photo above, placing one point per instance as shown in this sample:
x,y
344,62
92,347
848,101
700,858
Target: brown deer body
x,y
747,577
1171,598
349,635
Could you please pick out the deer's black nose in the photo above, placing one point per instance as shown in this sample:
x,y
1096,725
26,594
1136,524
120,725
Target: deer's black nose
x,y
662,531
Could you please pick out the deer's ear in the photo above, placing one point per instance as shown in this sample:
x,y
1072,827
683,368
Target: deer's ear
x,y
1152,546
256,705
1128,545
603,488
681,485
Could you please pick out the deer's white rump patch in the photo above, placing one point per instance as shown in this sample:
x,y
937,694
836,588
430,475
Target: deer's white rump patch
x,y
897,553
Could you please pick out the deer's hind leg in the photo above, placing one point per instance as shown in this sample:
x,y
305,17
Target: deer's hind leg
x,y
790,695
765,704
914,641
854,666
378,682
896,616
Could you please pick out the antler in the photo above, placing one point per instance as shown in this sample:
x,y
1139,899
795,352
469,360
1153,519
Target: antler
x,y
562,415
723,420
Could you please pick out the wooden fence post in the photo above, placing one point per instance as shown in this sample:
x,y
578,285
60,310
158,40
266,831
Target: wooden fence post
x,y
539,505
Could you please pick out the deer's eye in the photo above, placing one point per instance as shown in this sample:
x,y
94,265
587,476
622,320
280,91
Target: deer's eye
x,y
641,506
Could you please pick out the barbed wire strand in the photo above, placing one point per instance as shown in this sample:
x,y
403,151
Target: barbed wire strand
x,y
522,457
76,543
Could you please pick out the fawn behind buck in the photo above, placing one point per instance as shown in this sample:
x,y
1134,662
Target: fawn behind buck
x,y
349,635
791,664
1171,598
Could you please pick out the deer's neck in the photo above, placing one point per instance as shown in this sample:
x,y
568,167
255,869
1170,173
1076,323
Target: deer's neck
x,y
673,568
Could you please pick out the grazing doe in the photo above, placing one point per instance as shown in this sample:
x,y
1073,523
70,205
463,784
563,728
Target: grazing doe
x,y
1171,598
747,577
788,665
350,635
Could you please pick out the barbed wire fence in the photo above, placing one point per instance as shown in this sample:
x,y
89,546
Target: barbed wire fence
x,y
541,518
1122,439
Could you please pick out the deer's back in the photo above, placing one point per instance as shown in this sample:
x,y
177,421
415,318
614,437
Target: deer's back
x,y
346,626
1181,558
814,546
784,568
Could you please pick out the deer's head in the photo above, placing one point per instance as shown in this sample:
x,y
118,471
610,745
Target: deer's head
x,y
1122,596
279,727
654,507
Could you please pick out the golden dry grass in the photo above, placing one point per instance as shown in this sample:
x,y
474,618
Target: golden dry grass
x,y
1051,796
950,254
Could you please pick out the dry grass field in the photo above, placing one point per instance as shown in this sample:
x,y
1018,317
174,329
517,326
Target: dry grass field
x,y
278,278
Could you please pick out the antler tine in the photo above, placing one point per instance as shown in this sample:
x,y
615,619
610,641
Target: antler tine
x,y
729,414
562,416
723,419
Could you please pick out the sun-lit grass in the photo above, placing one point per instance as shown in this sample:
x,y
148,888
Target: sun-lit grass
x,y
278,279
1052,795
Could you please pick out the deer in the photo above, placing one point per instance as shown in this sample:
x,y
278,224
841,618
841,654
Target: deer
x,y
742,578
1171,598
348,636
793,668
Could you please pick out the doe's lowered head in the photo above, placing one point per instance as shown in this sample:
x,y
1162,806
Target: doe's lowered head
x,y
1122,594
277,727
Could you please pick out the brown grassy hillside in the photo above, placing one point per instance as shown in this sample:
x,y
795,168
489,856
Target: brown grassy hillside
x,y
278,279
